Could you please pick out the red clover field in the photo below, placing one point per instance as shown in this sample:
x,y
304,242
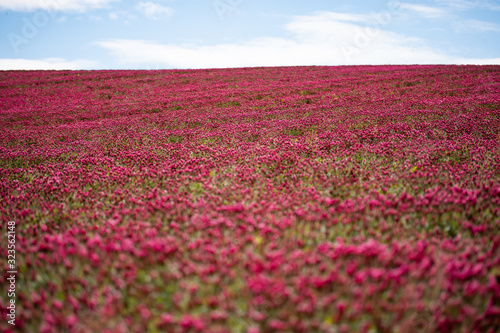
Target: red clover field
x,y
277,199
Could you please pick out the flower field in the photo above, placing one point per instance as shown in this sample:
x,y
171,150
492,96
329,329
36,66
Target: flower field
x,y
291,199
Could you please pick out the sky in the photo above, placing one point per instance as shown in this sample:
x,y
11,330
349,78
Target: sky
x,y
181,34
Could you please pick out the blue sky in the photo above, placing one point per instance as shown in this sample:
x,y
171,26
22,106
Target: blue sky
x,y
114,34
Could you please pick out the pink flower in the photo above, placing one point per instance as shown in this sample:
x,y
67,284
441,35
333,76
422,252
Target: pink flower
x,y
277,324
71,320
166,318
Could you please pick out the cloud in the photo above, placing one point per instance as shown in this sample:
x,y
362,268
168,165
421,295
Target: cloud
x,y
478,61
46,64
424,11
55,5
324,38
123,16
153,10
476,25
470,4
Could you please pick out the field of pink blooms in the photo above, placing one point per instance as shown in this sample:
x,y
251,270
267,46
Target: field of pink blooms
x,y
292,199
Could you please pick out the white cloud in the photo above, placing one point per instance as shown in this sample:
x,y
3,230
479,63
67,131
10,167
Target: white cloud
x,y
478,61
470,4
458,4
476,25
425,11
319,39
49,63
153,10
124,16
56,5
